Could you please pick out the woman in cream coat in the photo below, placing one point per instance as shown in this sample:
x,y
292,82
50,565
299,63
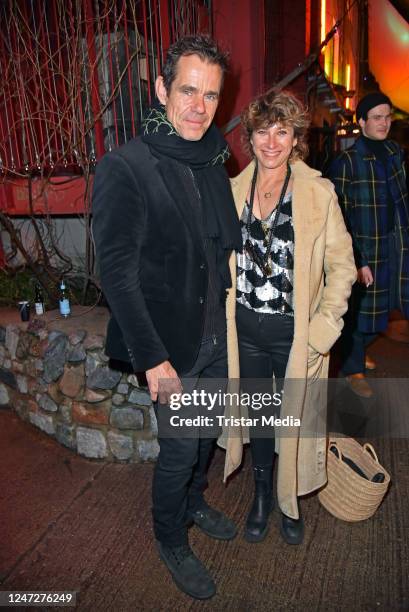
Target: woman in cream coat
x,y
290,290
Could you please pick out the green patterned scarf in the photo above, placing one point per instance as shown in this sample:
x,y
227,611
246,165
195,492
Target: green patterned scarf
x,y
157,130
205,158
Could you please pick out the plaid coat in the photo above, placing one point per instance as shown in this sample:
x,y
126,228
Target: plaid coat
x,y
361,184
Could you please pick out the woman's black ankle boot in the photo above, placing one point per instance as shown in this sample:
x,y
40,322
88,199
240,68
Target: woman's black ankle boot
x,y
257,521
291,529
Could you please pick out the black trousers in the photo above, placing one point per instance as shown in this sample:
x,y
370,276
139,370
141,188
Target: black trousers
x,y
265,342
180,475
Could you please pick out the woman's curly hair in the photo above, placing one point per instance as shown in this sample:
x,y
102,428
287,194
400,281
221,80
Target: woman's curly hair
x,y
270,108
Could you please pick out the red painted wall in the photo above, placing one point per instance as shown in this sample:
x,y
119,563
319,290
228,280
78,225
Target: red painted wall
x,y
238,25
63,196
285,41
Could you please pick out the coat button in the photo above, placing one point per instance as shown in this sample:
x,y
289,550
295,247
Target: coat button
x,y
201,300
202,266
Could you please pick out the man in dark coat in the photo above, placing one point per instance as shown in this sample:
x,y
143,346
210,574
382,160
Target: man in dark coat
x,y
164,225
370,182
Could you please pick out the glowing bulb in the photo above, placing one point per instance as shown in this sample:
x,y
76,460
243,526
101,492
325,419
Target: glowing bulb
x,y
323,11
348,77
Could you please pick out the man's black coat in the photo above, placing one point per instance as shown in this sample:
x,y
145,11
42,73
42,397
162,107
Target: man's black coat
x,y
150,257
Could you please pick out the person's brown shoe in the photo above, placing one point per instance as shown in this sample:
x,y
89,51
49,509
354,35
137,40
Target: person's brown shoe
x,y
398,331
370,364
359,385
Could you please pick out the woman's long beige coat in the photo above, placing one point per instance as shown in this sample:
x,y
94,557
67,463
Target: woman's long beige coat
x,y
322,244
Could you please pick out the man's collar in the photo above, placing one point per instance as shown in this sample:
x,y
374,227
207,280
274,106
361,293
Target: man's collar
x,y
366,153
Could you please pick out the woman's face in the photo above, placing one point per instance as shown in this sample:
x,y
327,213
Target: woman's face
x,y
273,145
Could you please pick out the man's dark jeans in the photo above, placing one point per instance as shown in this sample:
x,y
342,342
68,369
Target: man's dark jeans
x,y
180,472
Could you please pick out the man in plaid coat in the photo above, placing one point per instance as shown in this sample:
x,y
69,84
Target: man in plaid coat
x,y
370,182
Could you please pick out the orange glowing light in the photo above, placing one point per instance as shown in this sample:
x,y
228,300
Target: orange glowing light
x,y
323,11
389,61
307,27
348,77
348,83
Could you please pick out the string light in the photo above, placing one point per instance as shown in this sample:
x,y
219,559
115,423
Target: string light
x,y
348,84
323,25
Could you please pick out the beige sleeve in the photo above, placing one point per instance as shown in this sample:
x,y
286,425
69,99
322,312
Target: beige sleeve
x,y
340,274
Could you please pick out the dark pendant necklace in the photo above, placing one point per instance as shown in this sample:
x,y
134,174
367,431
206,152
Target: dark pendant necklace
x,y
264,262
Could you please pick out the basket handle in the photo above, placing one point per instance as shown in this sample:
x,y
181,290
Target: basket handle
x,y
371,451
333,443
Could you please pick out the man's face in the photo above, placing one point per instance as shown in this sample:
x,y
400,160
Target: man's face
x,y
193,97
378,122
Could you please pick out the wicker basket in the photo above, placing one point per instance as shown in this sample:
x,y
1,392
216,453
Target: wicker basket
x,y
347,495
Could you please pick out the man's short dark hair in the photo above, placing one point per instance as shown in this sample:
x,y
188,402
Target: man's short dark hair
x,y
199,44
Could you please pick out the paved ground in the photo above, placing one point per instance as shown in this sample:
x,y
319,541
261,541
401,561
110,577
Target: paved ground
x,y
67,523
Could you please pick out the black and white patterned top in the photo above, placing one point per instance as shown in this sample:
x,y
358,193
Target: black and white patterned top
x,y
272,294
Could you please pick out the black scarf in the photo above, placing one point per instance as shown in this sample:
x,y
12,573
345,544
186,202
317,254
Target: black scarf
x,y
205,158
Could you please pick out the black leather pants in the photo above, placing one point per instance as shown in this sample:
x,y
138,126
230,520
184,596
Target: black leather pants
x,y
264,346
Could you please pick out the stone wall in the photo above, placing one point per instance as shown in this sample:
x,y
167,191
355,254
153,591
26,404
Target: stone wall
x,y
54,373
